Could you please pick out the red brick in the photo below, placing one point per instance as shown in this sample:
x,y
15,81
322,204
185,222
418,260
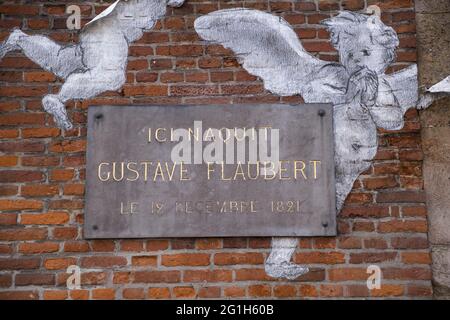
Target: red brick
x,y
158,293
44,218
307,290
103,294
407,273
59,263
191,90
103,245
416,257
347,274
76,246
132,245
55,295
148,90
141,261
209,292
79,294
380,183
284,291
9,106
21,146
40,132
157,245
259,290
207,276
238,258
419,291
356,291
8,161
19,295
73,189
9,133
319,257
234,292
67,146
19,263
403,226
8,219
20,176
38,247
375,243
23,234
208,244
62,174
133,293
103,261
39,190
185,259
372,257
34,279
40,161
349,243
65,233
331,290
409,243
156,277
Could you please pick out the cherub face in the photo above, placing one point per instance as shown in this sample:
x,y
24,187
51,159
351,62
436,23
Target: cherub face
x,y
359,50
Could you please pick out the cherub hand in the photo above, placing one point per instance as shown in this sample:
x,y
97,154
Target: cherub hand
x,y
363,87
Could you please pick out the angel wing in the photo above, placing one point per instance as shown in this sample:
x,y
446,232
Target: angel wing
x,y
404,86
269,48
441,87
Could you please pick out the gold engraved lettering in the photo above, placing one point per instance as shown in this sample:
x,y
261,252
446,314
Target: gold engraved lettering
x,y
132,170
157,137
315,162
297,169
99,174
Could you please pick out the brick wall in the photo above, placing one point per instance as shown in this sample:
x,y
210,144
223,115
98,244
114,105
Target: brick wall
x,y
42,174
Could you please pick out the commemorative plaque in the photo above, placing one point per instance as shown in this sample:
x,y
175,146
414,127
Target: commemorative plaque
x,y
210,171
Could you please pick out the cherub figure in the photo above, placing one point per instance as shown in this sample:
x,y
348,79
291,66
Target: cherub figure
x,y
96,64
364,97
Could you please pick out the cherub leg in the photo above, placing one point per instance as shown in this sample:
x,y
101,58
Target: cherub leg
x,y
81,86
278,264
48,54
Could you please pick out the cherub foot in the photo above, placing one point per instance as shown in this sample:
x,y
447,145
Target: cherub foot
x,y
278,264
11,44
56,108
286,270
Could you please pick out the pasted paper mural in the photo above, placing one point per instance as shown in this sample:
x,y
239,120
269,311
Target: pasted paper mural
x,y
364,96
98,62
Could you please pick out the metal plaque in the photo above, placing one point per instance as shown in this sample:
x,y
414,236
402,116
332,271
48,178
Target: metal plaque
x,y
210,171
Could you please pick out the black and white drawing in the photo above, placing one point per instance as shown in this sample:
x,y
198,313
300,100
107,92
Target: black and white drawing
x,y
364,96
98,62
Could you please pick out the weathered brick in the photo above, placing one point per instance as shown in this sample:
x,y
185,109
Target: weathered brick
x,y
23,234
34,279
44,218
156,276
158,293
103,261
185,259
38,247
238,258
19,263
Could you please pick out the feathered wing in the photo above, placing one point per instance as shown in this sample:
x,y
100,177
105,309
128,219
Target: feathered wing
x,y
441,87
266,46
404,86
